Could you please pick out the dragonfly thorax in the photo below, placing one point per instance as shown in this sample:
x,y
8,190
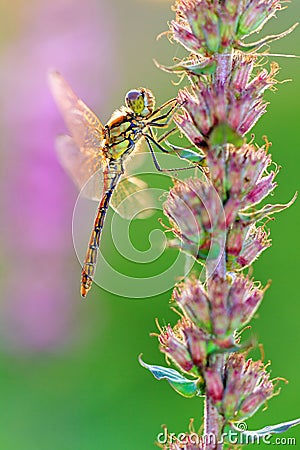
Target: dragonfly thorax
x,y
140,101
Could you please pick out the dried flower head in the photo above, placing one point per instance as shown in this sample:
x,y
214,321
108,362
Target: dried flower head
x,y
243,250
245,181
196,214
207,27
255,14
197,341
248,386
172,343
214,385
229,305
238,103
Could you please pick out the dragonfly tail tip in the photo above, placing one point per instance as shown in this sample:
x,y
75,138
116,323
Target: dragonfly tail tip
x,y
83,292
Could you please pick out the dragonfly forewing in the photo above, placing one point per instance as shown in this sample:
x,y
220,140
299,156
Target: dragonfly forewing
x,y
84,126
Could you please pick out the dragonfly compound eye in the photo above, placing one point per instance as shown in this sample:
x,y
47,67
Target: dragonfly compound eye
x,y
141,102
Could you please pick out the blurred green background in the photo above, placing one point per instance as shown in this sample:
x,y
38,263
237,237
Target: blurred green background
x,y
69,375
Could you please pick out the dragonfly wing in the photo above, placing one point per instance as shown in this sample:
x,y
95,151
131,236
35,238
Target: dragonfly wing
x,y
133,199
83,169
84,126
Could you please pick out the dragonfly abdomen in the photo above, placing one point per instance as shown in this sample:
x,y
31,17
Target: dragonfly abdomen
x,y
89,266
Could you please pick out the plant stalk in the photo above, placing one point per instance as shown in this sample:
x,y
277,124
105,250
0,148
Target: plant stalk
x,y
213,422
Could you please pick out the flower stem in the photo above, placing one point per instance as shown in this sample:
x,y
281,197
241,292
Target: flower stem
x,y
224,65
213,421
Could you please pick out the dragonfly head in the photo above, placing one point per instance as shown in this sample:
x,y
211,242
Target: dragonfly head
x,y
140,101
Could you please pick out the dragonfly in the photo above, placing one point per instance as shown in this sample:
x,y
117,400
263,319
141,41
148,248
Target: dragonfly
x,y
92,147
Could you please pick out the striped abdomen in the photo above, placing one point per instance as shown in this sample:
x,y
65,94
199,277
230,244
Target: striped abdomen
x,y
89,266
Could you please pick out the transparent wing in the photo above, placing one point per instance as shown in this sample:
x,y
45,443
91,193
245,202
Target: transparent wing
x,y
83,125
83,168
133,199
132,196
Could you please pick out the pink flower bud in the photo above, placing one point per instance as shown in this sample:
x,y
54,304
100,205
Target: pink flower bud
x,y
198,106
217,168
229,15
244,298
194,210
256,13
264,80
239,289
218,292
194,302
263,188
247,387
211,29
189,129
252,374
186,38
255,243
237,103
235,180
231,209
183,217
196,341
251,305
256,163
235,239
202,22
176,349
252,403
245,168
214,385
242,68
254,109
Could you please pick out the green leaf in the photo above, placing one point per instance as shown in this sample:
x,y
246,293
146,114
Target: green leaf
x,y
189,155
224,134
182,385
239,433
201,69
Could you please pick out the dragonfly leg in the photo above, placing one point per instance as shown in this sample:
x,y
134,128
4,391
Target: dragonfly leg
x,y
193,157
163,107
151,141
178,149
164,119
157,140
167,134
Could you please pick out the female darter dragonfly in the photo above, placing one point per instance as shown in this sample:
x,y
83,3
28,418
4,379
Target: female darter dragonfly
x,y
93,147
